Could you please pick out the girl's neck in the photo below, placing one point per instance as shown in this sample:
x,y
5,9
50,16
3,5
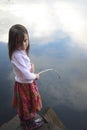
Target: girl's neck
x,y
21,50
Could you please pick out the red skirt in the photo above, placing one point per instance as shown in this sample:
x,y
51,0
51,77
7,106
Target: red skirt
x,y
27,99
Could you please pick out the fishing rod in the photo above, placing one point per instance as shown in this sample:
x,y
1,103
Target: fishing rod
x,y
46,70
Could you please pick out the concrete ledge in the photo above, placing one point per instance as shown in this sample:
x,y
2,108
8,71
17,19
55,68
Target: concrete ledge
x,y
51,122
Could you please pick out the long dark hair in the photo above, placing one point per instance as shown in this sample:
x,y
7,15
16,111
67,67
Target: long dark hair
x,y
16,38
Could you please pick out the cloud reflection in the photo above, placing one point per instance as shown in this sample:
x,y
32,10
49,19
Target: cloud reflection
x,y
70,90
44,19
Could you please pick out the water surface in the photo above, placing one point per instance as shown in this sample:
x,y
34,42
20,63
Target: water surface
x,y
67,96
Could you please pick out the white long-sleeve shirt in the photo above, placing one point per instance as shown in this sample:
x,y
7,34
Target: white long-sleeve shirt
x,y
21,67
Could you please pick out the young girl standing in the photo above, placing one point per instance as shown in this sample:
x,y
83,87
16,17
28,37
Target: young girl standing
x,y
26,97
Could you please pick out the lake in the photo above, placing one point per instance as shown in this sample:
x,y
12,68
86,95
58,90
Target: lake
x,y
67,95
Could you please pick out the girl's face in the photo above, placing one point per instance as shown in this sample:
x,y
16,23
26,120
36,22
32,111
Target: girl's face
x,y
25,42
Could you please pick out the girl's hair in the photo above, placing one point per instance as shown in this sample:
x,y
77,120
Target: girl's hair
x,y
16,37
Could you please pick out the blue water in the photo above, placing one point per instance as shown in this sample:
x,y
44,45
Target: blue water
x,y
67,96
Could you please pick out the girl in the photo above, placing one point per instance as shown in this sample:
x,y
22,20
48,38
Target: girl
x,y
26,98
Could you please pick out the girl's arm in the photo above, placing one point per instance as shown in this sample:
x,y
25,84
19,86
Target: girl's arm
x,y
32,71
22,70
32,68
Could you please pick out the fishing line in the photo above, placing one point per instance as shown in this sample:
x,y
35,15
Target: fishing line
x,y
46,70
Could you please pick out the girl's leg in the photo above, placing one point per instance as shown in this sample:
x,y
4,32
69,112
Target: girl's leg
x,y
21,117
22,121
34,105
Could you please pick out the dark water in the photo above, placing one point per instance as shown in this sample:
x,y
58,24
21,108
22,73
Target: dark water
x,y
67,96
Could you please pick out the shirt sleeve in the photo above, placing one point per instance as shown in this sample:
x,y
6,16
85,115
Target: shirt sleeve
x,y
22,70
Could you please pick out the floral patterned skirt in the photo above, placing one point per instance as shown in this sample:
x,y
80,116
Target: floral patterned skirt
x,y
27,99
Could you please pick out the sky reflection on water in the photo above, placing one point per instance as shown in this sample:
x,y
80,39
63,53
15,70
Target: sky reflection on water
x,y
66,95
58,40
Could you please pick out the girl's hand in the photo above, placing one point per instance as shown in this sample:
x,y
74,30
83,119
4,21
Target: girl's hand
x,y
37,76
32,68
